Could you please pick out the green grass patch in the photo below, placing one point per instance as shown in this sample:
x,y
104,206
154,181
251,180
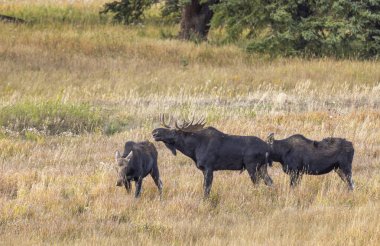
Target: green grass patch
x,y
3,134
119,124
51,117
32,121
49,14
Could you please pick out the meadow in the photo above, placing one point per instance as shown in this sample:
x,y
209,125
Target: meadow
x,y
74,87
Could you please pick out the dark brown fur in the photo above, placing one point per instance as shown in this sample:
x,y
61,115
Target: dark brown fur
x,y
212,150
138,160
299,155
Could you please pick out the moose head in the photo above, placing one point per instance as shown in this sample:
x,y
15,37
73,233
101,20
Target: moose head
x,y
123,166
171,134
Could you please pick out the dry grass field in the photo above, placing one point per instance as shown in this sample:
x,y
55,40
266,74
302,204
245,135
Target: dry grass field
x,y
74,88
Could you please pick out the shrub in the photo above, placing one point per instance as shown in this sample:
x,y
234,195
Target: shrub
x,y
303,28
127,11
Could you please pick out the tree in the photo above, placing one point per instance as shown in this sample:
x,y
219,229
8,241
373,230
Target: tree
x,y
312,28
315,28
195,19
369,28
195,14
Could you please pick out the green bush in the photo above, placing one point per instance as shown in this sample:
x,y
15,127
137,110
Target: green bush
x,y
171,11
127,11
303,28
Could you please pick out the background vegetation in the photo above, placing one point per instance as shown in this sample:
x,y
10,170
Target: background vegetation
x,y
279,28
304,28
74,87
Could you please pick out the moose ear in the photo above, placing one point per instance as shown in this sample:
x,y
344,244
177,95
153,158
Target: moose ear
x,y
117,155
129,156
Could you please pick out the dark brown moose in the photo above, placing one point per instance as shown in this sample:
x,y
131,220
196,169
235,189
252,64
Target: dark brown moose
x,y
138,160
299,155
212,150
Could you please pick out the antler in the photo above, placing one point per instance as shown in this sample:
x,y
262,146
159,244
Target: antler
x,y
162,120
188,126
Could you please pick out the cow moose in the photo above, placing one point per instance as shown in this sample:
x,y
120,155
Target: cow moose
x,y
212,150
138,160
299,155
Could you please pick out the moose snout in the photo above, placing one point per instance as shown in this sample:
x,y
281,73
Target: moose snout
x,y
154,133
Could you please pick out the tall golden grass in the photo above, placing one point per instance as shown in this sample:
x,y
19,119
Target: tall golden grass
x,y
60,189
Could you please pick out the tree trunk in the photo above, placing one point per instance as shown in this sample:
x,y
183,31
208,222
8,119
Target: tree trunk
x,y
195,20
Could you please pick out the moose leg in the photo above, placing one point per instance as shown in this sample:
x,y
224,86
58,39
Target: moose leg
x,y
346,177
253,174
208,176
127,185
341,174
351,184
263,173
138,187
295,178
156,177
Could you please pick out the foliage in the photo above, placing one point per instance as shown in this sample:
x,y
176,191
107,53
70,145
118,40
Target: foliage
x,y
369,19
302,27
287,28
172,10
127,11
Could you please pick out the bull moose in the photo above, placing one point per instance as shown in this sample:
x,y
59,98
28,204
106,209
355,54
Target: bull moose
x,y
299,155
212,150
138,160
